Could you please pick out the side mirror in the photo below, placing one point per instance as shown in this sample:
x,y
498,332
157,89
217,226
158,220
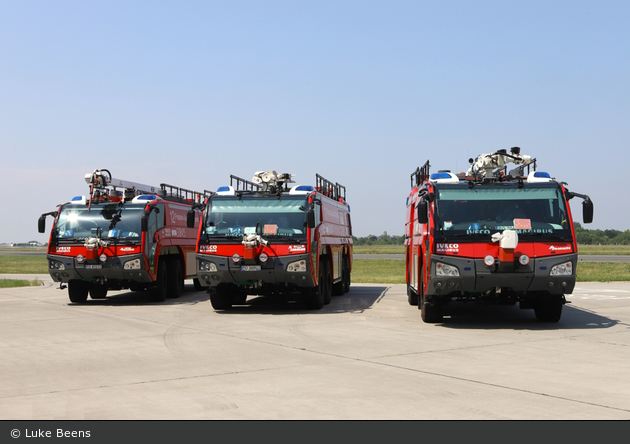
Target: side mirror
x,y
423,217
310,218
587,211
144,223
190,219
41,223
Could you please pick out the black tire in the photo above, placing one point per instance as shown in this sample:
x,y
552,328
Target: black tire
x,y
98,291
197,284
221,298
175,279
431,313
158,292
239,298
328,289
346,277
77,291
412,296
315,297
548,310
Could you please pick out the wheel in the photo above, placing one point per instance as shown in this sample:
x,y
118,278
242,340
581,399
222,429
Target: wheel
x,y
77,291
239,298
327,281
346,271
220,298
412,296
197,284
98,291
431,313
175,279
158,292
315,297
548,309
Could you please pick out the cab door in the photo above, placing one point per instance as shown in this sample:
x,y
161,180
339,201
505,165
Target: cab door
x,y
154,230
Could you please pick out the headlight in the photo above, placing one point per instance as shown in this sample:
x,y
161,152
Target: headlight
x,y
263,257
297,266
565,269
54,265
80,258
445,270
132,264
207,266
103,257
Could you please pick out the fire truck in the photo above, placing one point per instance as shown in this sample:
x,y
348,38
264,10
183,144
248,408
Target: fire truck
x,y
123,235
490,235
263,237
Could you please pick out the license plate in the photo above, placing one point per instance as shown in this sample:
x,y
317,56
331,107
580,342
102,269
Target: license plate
x,y
93,267
250,267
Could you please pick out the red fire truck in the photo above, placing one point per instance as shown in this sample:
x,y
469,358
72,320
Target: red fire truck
x,y
262,237
491,236
123,235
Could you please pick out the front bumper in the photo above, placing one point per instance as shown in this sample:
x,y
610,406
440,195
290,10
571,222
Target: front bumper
x,y
476,277
64,269
246,273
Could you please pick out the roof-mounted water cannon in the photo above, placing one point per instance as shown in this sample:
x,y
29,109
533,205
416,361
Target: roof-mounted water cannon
x,y
486,164
271,181
98,179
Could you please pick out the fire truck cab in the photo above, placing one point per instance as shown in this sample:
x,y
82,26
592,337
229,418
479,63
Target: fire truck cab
x,y
491,236
264,237
122,235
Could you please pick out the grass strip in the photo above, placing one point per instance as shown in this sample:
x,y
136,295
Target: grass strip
x,y
11,283
23,264
603,271
378,271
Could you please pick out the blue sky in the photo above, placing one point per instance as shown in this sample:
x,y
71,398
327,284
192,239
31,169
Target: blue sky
x,y
361,92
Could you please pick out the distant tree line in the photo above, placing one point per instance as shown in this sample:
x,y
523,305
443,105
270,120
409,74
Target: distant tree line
x,y
584,236
383,239
601,237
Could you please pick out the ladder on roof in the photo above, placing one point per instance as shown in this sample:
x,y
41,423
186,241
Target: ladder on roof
x,y
420,175
335,190
243,184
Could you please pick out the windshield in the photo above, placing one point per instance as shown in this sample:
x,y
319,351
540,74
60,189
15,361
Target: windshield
x,y
106,221
483,210
229,217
